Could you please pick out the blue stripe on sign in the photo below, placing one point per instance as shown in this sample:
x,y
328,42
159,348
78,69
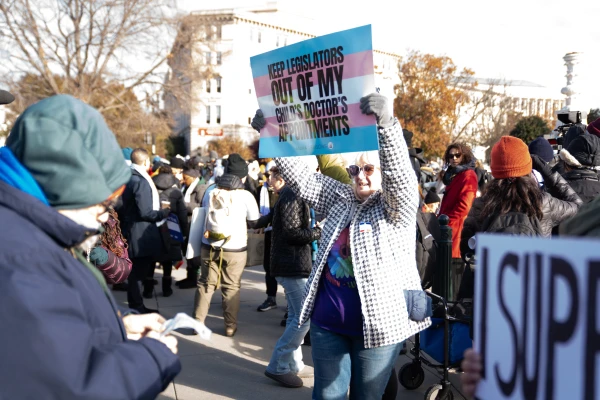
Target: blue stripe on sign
x,y
352,40
363,138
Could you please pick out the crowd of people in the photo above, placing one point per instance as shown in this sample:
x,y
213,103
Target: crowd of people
x,y
343,238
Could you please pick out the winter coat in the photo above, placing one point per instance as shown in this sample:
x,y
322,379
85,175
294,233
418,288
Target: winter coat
x,y
62,336
291,237
384,255
166,184
138,220
456,203
417,160
333,165
559,203
115,269
585,223
253,186
585,182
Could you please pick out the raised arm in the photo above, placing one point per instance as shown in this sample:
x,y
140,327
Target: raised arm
x,y
399,183
319,191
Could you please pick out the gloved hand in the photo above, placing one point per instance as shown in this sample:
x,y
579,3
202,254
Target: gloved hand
x,y
259,121
99,256
377,104
165,212
541,166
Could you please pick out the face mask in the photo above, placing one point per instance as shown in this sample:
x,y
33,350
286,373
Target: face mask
x,y
88,218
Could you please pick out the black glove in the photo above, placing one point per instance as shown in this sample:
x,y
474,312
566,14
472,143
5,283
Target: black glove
x,y
541,166
165,212
259,121
377,104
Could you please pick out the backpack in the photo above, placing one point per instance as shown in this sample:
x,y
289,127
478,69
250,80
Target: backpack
x,y
513,223
428,233
219,217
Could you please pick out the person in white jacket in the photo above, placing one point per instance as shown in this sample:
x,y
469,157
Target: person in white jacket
x,y
366,259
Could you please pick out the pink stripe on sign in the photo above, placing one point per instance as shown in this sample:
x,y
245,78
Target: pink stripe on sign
x,y
355,119
355,64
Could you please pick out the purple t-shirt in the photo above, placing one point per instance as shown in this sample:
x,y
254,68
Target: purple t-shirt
x,y
337,305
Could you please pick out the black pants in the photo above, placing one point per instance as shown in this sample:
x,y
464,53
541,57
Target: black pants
x,y
140,269
269,280
167,268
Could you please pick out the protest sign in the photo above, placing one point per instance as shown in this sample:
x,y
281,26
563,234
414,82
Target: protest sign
x,y
537,318
309,93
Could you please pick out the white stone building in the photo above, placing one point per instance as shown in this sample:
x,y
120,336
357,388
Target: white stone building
x,y
224,101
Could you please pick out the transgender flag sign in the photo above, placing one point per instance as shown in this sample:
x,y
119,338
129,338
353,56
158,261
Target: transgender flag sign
x,y
310,95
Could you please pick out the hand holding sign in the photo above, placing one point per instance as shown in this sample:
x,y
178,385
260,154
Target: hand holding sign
x,y
259,121
309,96
377,104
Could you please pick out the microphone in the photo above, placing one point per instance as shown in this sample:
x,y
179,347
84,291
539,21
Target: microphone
x,y
6,97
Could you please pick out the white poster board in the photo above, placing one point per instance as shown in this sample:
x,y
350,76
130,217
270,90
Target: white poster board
x,y
537,318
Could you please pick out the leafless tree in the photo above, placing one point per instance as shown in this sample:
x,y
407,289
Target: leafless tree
x,y
111,54
90,43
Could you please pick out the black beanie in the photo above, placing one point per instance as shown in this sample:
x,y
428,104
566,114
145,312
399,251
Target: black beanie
x,y
541,147
586,150
237,166
432,197
177,162
573,132
191,172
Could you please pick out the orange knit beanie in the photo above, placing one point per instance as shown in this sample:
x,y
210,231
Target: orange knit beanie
x,y
510,158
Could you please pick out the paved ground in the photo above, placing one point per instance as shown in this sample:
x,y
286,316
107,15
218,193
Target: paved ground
x,y
233,368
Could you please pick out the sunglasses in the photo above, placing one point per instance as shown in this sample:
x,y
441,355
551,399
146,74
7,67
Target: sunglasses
x,y
455,155
354,170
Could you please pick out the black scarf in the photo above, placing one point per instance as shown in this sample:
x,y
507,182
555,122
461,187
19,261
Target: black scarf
x,y
451,172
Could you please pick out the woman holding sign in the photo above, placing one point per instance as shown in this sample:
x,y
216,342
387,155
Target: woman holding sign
x,y
354,297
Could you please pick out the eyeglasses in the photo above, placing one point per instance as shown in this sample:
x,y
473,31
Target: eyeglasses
x,y
454,155
354,170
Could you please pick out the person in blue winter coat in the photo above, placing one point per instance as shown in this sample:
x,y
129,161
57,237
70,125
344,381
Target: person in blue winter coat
x,y
62,334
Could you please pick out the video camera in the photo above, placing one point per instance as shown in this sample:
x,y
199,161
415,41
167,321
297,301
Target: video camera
x,y
568,119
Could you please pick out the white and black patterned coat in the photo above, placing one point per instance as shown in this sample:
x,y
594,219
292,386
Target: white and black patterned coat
x,y
384,258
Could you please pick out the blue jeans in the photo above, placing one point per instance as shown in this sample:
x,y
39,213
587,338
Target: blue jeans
x,y
287,356
342,362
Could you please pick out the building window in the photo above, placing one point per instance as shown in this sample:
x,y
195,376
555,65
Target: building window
x,y
207,58
218,58
218,114
277,42
218,84
249,91
249,120
208,114
208,86
285,41
259,37
219,32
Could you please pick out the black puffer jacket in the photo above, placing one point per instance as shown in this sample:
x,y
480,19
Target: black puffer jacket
x,y
292,235
585,183
559,203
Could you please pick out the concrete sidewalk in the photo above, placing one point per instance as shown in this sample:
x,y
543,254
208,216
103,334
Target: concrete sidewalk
x,y
233,368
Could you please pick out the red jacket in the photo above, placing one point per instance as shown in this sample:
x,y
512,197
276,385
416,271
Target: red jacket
x,y
456,204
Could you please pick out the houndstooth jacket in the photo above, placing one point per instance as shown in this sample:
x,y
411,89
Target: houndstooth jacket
x,y
384,258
